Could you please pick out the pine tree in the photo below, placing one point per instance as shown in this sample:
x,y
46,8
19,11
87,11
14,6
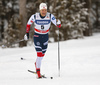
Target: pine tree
x,y
95,11
72,15
11,35
8,18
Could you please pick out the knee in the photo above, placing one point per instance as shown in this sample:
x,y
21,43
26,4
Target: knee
x,y
40,54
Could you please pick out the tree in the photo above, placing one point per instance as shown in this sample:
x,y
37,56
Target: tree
x,y
7,23
95,8
72,15
23,18
10,35
88,32
78,17
2,15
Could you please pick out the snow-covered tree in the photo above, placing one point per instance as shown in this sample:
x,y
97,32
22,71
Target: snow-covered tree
x,y
95,12
11,35
72,15
7,12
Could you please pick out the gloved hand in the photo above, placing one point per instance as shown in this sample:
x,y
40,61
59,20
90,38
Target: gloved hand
x,y
58,23
26,36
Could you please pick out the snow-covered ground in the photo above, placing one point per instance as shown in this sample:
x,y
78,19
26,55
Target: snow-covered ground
x,y
80,64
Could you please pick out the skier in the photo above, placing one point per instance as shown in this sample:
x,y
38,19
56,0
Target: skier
x,y
42,21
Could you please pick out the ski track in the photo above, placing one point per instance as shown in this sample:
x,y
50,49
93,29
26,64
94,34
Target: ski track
x,y
80,63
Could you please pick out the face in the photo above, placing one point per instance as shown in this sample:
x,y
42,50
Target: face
x,y
43,12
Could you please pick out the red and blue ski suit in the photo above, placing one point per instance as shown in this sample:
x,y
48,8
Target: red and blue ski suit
x,y
42,25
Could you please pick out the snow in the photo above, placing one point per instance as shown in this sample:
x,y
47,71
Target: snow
x,y
80,63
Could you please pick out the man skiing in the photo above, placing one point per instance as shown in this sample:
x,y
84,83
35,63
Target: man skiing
x,y
42,23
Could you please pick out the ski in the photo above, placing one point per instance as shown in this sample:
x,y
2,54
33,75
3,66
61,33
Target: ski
x,y
32,71
43,76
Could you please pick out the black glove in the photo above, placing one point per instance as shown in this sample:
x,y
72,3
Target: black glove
x,y
27,35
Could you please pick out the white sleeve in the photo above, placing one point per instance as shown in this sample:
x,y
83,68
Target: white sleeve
x,y
31,20
53,20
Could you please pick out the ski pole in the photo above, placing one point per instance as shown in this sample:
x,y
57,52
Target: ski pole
x,y
58,55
